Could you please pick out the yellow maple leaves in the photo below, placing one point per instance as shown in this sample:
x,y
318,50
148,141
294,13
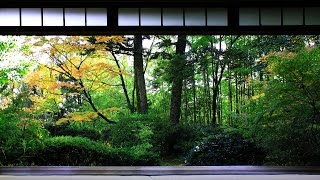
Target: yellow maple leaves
x,y
77,60
78,117
84,116
114,39
73,63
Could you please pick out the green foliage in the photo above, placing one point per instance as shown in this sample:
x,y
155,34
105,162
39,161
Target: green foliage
x,y
78,151
11,69
274,43
18,138
67,130
131,131
134,133
285,121
171,139
227,148
269,91
177,140
9,136
149,133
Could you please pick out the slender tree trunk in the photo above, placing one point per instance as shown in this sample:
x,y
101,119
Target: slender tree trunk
x,y
185,95
194,96
237,94
230,98
218,108
244,95
220,105
209,99
134,91
216,87
214,107
139,76
261,75
216,81
175,108
123,84
205,95
252,83
215,95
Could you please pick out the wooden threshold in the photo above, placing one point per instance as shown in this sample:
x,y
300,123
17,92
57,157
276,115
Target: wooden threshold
x,y
157,170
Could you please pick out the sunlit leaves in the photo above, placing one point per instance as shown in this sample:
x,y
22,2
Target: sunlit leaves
x,y
78,117
286,118
84,116
13,67
74,67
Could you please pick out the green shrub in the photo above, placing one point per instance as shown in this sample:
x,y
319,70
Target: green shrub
x,y
134,133
145,159
66,130
131,131
173,140
228,148
18,138
78,151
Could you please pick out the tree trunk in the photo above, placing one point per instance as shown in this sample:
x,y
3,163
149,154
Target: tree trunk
x,y
214,107
205,96
139,76
230,97
186,109
194,96
220,105
175,108
208,100
123,84
237,93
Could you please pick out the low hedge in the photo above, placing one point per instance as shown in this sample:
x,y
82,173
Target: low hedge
x,y
78,151
65,130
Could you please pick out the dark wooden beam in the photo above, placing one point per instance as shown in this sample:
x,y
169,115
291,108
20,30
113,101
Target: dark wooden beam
x,y
113,20
233,19
151,30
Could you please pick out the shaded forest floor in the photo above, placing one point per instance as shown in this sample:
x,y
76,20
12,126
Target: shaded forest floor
x,y
171,161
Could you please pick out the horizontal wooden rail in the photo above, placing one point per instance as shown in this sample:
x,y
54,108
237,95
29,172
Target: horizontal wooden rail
x,y
157,170
172,30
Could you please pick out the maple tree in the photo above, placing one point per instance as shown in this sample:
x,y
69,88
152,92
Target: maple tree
x,y
76,65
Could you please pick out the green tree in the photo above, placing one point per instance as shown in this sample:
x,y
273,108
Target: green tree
x,y
176,92
286,116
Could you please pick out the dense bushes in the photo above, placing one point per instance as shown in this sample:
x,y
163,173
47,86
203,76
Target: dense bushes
x,y
18,138
66,130
228,148
285,120
131,131
134,133
77,151
134,140
175,140
147,133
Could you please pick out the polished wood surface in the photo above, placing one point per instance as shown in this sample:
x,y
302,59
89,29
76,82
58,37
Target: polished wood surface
x,y
159,170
